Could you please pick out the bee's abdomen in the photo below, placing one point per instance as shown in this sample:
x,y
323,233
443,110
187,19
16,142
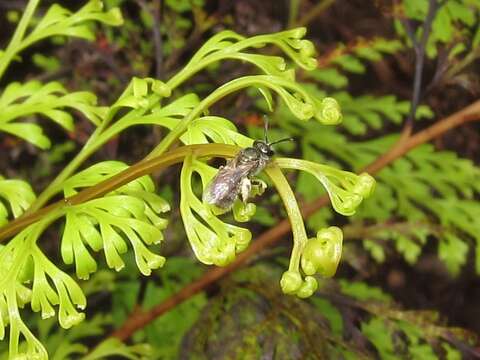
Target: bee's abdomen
x,y
221,194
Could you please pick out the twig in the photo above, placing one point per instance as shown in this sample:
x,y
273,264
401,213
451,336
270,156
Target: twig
x,y
141,168
293,7
314,12
419,48
271,236
155,12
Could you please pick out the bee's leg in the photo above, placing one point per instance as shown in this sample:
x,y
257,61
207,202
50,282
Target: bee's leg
x,y
258,186
245,189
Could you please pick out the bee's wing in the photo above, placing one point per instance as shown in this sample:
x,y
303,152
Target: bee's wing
x,y
225,186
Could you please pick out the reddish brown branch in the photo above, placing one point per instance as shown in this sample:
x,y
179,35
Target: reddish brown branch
x,y
406,142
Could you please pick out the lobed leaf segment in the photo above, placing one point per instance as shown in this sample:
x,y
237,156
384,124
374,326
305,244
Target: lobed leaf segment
x,y
128,212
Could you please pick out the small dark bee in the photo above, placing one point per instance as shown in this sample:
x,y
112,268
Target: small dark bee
x,y
235,178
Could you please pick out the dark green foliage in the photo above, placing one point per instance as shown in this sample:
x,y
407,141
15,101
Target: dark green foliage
x,y
165,334
354,321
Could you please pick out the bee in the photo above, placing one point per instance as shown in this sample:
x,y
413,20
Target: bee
x,y
235,179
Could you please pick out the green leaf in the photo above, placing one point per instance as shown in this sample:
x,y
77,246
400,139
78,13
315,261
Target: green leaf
x,y
452,19
362,112
61,21
168,116
415,9
362,291
132,211
376,251
434,188
46,63
461,12
47,287
18,195
49,100
114,347
167,332
329,76
346,190
408,248
381,336
331,313
213,241
29,132
350,63
214,129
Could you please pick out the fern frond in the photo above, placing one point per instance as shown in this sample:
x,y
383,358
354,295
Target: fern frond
x,y
350,59
61,21
213,241
206,129
359,114
49,100
18,195
21,260
451,21
58,21
131,212
363,112
422,335
423,187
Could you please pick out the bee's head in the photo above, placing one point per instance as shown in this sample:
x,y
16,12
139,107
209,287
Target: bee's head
x,y
264,148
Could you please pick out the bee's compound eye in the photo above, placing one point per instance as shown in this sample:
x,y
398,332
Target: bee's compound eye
x,y
265,149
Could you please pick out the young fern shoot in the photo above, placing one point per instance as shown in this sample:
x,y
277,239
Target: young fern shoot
x,y
114,207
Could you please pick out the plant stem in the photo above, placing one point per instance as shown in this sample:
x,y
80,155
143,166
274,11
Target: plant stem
x,y
294,215
293,12
141,168
419,47
314,12
14,44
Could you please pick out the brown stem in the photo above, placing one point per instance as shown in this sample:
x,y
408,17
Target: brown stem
x,y
314,13
406,143
141,168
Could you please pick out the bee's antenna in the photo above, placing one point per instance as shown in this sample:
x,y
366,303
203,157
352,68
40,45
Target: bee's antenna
x,y
281,140
265,129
